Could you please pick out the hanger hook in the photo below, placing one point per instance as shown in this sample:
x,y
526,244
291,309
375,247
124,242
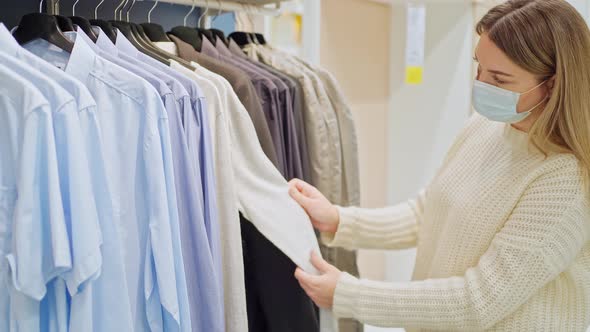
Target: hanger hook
x,y
189,13
74,7
151,10
96,9
122,9
129,10
203,14
218,12
117,9
41,6
56,7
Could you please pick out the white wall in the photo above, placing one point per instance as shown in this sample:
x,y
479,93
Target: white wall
x,y
424,119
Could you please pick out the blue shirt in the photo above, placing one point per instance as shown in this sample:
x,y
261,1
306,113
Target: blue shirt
x,y
33,231
205,287
129,111
110,313
79,205
201,287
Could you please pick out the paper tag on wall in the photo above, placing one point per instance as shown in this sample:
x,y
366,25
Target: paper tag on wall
x,y
415,39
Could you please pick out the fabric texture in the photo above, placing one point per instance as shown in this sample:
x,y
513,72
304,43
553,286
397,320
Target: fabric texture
x,y
236,318
276,301
202,287
290,108
503,242
114,313
262,193
242,87
33,231
268,94
341,153
80,209
145,230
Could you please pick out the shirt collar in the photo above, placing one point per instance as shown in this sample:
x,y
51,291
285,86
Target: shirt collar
x,y
222,49
124,45
207,48
87,40
7,43
235,49
82,59
104,43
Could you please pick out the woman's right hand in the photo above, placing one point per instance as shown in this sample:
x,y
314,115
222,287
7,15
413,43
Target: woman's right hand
x,y
324,216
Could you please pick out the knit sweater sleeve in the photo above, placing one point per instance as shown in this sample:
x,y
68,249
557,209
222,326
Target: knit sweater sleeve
x,y
545,232
393,227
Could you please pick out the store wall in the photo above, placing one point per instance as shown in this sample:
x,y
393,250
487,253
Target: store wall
x,y
425,118
355,46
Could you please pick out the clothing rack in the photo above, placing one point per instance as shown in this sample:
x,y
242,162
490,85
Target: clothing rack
x,y
256,7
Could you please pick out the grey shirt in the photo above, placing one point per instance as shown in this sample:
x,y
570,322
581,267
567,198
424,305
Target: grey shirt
x,y
299,154
269,96
243,88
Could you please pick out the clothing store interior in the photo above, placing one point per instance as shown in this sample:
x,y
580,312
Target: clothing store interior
x,y
160,195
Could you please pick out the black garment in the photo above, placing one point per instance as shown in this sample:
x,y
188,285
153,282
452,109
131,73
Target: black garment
x,y
275,301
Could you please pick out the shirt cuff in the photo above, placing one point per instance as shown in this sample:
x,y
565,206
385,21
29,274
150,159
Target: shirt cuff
x,y
344,235
345,296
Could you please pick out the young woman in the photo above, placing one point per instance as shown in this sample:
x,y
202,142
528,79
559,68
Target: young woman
x,y
503,231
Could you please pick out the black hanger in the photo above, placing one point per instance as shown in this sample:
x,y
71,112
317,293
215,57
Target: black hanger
x,y
219,34
188,35
149,43
84,24
128,31
41,26
207,34
241,38
155,32
64,23
260,38
107,28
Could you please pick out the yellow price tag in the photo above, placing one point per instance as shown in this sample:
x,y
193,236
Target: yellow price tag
x,y
414,74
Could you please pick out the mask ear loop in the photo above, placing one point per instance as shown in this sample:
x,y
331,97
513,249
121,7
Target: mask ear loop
x,y
533,88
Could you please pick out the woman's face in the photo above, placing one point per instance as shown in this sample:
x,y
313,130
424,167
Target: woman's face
x,y
495,68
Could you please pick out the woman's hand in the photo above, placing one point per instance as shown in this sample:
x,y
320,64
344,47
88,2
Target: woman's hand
x,y
319,288
324,216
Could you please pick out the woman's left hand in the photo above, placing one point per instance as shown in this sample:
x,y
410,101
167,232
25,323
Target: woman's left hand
x,y
319,288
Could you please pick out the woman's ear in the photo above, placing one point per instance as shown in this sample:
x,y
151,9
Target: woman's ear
x,y
550,84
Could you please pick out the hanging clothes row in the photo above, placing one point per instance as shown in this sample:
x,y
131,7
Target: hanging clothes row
x,y
143,178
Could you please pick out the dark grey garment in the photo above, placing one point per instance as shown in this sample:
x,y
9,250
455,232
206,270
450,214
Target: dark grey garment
x,y
243,88
301,156
291,141
269,96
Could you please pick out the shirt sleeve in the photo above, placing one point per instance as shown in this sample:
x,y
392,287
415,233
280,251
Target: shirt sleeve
x,y
263,194
531,250
393,227
78,199
40,246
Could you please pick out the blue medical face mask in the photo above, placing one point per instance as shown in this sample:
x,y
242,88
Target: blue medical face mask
x,y
499,104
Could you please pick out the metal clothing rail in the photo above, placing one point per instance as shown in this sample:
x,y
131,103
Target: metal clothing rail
x,y
260,7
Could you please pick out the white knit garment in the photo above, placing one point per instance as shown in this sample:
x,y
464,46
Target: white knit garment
x,y
502,237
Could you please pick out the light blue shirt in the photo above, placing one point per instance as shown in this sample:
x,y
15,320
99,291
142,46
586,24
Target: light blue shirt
x,y
94,307
129,111
80,209
205,287
34,242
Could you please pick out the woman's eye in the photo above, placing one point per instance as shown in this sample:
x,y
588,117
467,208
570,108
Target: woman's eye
x,y
499,81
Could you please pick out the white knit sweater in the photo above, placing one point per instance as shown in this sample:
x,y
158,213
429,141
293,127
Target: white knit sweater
x,y
502,238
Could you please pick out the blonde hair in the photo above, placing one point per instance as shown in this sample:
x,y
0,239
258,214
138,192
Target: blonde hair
x,y
549,38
